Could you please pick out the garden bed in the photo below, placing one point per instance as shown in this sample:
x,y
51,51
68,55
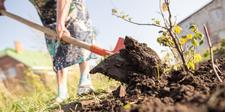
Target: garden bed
x,y
147,88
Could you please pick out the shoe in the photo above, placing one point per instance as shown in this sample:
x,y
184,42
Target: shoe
x,y
84,90
59,100
85,86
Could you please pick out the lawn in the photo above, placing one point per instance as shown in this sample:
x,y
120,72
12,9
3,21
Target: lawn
x,y
35,96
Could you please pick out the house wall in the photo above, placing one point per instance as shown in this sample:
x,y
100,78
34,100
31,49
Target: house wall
x,y
213,16
12,71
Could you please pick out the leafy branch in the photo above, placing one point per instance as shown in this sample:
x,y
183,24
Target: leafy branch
x,y
170,35
120,15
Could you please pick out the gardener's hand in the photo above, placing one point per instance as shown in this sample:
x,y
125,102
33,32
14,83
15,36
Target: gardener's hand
x,y
61,31
2,6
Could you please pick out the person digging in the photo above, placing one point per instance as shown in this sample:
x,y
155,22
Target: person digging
x,y
68,18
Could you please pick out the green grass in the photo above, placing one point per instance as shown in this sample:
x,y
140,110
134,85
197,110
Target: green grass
x,y
40,99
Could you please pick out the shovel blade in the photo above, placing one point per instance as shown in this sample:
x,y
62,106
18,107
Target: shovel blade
x,y
103,52
119,45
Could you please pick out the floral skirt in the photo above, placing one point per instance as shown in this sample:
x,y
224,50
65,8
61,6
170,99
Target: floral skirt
x,y
64,54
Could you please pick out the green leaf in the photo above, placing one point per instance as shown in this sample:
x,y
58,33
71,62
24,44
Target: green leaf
x,y
193,28
114,11
157,22
191,65
195,43
159,40
201,42
197,58
206,54
183,41
127,106
177,29
189,36
198,35
165,41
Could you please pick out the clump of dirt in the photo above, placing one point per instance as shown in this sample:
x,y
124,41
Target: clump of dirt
x,y
216,101
136,58
149,89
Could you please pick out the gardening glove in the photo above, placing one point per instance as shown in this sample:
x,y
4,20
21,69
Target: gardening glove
x,y
2,6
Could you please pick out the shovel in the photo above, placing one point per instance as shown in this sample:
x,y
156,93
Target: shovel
x,y
71,40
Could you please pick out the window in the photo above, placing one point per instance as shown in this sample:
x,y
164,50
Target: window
x,y
11,72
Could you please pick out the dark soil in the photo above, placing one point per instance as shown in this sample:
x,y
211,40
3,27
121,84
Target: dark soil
x,y
146,91
135,59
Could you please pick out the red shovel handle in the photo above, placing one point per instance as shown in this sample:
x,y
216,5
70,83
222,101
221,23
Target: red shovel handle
x,y
100,51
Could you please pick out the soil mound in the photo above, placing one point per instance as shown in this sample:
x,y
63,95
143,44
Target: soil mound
x,y
135,58
149,89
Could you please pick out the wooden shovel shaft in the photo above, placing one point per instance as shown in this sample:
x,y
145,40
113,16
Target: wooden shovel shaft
x,y
48,31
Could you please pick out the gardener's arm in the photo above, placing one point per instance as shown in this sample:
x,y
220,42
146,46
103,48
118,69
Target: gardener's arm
x,y
2,7
62,13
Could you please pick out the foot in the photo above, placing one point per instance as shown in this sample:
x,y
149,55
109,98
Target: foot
x,y
85,85
59,100
84,90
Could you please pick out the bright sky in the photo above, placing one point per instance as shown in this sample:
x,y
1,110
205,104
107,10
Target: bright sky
x,y
109,28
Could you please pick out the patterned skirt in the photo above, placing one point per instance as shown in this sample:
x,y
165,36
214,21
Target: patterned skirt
x,y
63,54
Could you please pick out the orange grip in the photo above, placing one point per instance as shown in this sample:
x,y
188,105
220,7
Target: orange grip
x,y
100,51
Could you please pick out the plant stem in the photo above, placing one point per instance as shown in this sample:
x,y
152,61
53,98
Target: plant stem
x,y
176,42
211,53
179,51
141,24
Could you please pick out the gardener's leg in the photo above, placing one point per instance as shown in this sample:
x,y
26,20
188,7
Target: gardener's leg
x,y
61,76
85,83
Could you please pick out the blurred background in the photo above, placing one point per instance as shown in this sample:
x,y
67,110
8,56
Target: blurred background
x,y
25,64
